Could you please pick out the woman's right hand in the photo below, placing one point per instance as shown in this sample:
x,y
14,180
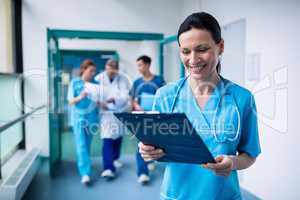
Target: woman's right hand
x,y
149,152
77,99
83,94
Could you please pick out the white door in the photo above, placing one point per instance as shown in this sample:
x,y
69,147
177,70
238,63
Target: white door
x,y
233,59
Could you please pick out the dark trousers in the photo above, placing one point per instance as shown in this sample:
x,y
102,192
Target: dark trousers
x,y
142,165
111,151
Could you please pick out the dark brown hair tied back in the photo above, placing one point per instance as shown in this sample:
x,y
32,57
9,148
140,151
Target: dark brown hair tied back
x,y
84,65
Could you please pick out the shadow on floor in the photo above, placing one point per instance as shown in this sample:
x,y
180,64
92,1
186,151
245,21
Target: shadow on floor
x,y
66,185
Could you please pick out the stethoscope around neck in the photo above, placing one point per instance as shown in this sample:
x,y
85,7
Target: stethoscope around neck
x,y
214,128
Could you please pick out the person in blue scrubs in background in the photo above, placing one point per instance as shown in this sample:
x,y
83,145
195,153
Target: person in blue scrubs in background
x,y
222,112
142,94
84,117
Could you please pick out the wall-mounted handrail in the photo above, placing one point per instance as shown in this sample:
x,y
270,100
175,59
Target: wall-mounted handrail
x,y
13,122
19,119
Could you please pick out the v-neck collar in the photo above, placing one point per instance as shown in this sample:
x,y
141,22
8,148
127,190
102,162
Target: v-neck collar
x,y
150,80
212,102
111,81
213,99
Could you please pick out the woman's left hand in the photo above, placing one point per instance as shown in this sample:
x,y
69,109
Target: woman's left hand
x,y
222,167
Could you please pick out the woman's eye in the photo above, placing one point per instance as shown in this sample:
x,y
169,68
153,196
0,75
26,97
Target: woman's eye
x,y
202,50
185,51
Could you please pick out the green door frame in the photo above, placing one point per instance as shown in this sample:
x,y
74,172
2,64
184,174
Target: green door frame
x,y
53,113
87,52
54,67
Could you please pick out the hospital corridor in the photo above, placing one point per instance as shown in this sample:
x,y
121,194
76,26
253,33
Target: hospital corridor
x,y
158,99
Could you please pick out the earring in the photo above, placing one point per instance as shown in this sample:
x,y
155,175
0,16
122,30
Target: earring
x,y
220,58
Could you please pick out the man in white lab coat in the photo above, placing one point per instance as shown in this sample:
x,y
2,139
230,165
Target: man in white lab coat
x,y
115,98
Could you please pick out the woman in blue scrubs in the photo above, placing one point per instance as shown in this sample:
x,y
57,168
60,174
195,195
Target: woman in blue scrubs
x,y
222,112
84,117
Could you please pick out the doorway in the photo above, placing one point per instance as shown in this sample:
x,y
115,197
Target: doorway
x,y
56,78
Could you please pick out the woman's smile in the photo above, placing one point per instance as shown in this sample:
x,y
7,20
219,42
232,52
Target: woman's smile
x,y
196,68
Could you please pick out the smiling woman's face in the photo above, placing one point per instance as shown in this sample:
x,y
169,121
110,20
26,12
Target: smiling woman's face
x,y
199,53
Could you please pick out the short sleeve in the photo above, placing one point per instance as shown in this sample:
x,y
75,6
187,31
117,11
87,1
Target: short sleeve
x,y
249,141
163,82
157,102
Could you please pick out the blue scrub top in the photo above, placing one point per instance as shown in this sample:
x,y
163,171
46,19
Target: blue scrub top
x,y
86,110
218,128
143,91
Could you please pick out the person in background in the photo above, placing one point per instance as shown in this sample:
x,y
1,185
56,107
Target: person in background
x,y
115,88
142,96
84,115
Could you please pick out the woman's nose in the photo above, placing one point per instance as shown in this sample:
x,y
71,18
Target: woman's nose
x,y
194,58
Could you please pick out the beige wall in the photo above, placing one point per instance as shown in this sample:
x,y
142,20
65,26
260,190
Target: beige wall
x,y
6,61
